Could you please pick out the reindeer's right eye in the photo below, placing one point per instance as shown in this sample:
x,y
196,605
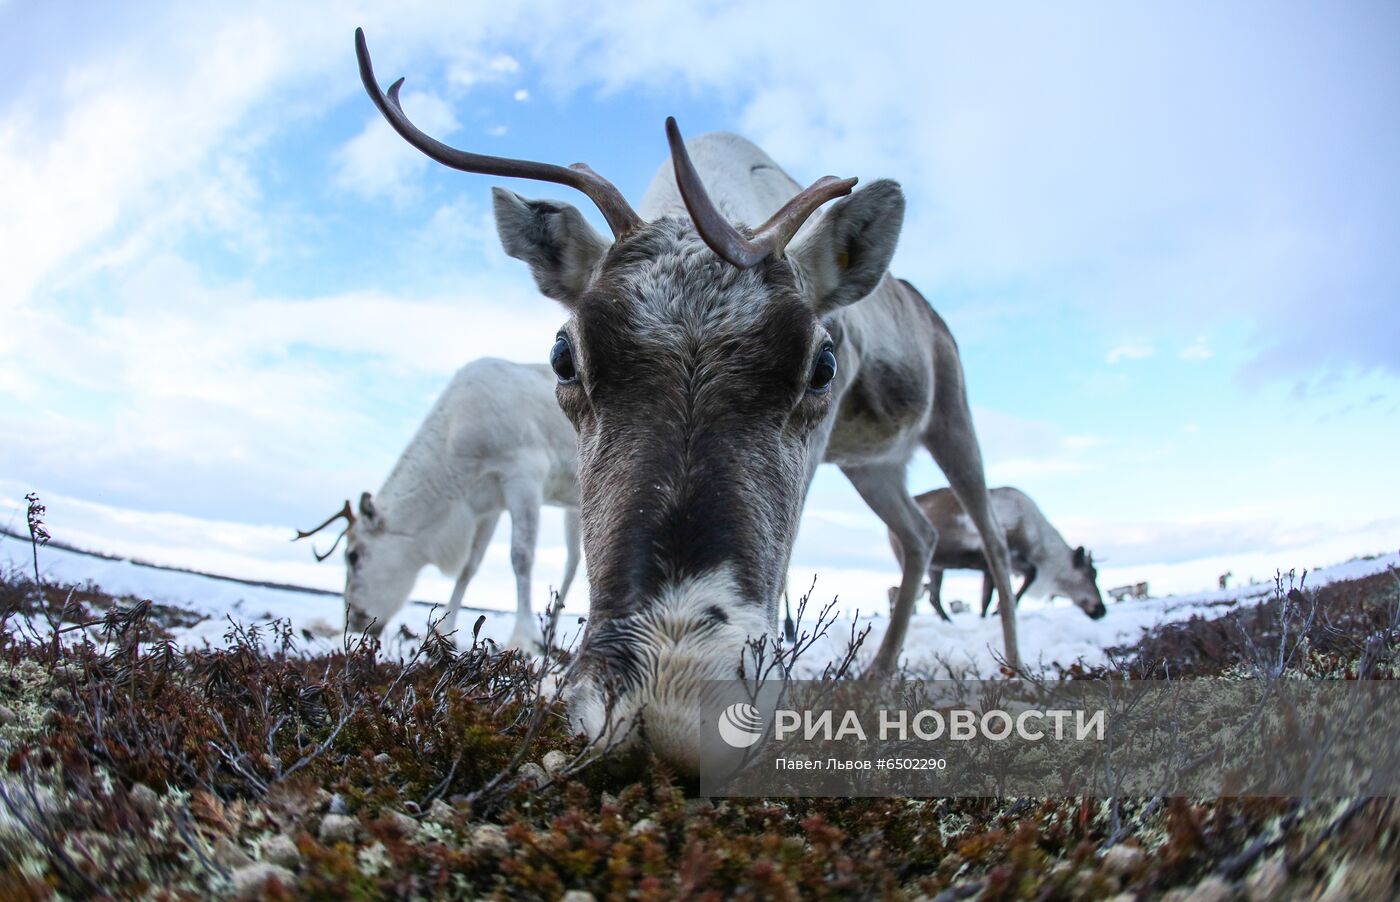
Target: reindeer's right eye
x,y
561,360
823,372
352,557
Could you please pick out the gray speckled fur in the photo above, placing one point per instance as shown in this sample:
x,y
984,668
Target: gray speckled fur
x,y
697,441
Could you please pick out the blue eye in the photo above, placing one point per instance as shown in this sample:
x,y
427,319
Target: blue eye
x,y
823,372
561,360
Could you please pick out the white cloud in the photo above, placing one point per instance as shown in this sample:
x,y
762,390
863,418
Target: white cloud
x,y
233,389
521,95
470,68
1130,352
504,63
378,163
1197,350
124,128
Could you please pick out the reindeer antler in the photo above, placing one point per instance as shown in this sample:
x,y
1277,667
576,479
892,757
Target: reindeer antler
x,y
719,233
614,207
345,512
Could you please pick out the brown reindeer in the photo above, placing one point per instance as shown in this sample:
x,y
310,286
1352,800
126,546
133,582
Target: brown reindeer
x,y
1039,554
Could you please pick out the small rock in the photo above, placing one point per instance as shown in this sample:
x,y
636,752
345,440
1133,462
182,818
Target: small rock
x,y
145,799
577,895
337,805
1122,860
281,850
1211,889
645,825
383,759
250,881
68,669
490,838
229,855
7,717
1267,881
554,761
403,825
337,828
441,813
61,697
531,774
607,800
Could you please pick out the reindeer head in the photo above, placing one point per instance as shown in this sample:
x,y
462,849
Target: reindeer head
x,y
379,569
702,376
1081,585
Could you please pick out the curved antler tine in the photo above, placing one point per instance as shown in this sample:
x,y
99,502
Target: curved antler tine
x,y
610,202
719,233
771,237
345,512
330,551
782,225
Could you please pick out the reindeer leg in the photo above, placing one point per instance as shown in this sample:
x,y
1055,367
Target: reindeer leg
x,y
953,444
935,591
481,538
571,536
1029,578
986,592
524,506
882,488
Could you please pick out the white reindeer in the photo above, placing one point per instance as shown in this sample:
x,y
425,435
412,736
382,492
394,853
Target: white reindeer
x,y
495,441
1038,552
710,369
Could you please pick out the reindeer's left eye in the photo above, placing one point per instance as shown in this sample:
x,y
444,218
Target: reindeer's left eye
x,y
823,372
352,557
561,360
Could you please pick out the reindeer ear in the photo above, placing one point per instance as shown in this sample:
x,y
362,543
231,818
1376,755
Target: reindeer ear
x,y
1079,556
367,507
847,252
560,247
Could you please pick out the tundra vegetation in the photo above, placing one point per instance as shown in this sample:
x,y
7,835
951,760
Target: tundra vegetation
x,y
133,768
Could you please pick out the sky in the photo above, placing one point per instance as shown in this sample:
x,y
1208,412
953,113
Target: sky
x,y
1163,237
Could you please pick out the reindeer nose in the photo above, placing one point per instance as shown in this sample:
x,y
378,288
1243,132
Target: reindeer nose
x,y
1098,612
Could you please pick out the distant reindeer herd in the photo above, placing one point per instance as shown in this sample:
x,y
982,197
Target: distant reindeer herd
x,y
734,332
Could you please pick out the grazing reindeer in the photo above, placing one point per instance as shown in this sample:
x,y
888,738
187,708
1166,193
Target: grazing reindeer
x,y
494,441
1135,590
1038,552
1224,579
709,369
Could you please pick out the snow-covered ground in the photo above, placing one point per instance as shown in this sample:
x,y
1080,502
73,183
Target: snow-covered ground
x,y
1061,634
969,645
